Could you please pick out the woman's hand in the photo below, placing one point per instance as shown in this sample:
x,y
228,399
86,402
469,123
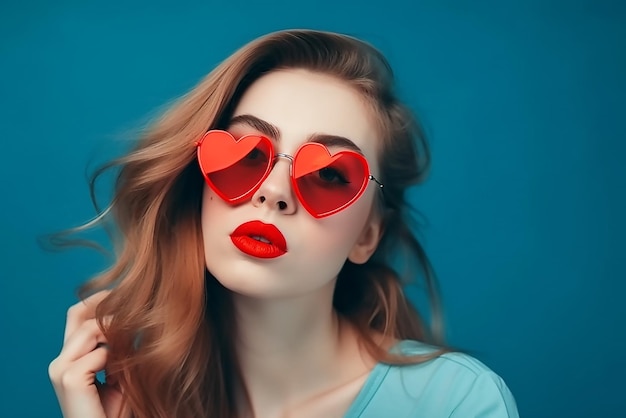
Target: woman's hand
x,y
73,372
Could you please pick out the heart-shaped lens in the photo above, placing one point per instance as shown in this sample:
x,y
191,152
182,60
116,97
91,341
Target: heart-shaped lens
x,y
234,168
327,183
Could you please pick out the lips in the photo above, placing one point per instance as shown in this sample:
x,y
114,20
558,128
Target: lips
x,y
259,239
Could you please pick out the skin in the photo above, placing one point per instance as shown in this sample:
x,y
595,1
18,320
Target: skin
x,y
298,358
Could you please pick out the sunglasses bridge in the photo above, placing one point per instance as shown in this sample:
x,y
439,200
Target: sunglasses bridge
x,y
291,159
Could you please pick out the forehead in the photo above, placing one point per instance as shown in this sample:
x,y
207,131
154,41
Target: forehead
x,y
301,103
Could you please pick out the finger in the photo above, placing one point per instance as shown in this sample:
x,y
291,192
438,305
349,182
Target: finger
x,y
80,374
83,341
81,311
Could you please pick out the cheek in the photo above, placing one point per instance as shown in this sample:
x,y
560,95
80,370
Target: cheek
x,y
346,227
362,209
210,203
213,209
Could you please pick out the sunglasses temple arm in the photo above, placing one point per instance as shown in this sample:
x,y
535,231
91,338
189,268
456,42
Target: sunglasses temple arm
x,y
376,180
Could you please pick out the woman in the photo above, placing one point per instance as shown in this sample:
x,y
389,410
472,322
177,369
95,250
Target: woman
x,y
257,224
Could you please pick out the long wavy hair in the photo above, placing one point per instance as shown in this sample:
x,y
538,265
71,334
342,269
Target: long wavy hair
x,y
171,333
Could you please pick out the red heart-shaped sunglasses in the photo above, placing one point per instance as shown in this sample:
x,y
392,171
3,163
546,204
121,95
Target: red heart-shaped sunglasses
x,y
324,184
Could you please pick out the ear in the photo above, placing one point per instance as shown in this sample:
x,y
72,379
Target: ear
x,y
368,241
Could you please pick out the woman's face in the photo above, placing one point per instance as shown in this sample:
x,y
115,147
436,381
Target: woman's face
x,y
290,106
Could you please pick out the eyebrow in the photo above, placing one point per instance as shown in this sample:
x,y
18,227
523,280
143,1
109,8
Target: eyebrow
x,y
273,132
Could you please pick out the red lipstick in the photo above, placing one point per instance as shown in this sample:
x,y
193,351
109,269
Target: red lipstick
x,y
259,239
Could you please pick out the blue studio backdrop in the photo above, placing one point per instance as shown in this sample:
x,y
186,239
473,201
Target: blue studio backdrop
x,y
523,101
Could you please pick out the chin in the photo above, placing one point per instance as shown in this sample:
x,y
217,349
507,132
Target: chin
x,y
249,284
271,288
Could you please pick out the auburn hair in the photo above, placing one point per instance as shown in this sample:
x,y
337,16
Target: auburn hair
x,y
171,328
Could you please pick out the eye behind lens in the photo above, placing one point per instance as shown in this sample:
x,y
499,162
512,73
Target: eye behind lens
x,y
332,175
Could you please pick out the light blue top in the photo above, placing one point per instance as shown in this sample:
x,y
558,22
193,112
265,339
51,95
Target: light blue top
x,y
452,385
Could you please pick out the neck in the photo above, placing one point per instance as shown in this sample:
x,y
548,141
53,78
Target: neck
x,y
279,334
292,349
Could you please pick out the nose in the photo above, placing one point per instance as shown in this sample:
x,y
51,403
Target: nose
x,y
276,192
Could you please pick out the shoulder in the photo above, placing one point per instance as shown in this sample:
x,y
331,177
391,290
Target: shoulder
x,y
449,385
454,362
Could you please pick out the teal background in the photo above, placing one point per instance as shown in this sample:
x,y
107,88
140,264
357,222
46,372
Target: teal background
x,y
524,103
